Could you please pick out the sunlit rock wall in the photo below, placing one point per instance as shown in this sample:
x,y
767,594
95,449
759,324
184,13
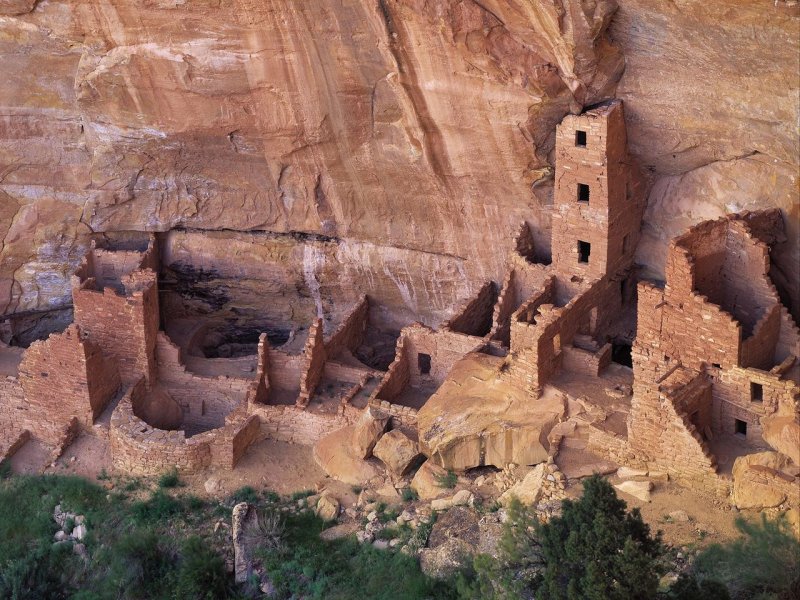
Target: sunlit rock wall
x,y
409,138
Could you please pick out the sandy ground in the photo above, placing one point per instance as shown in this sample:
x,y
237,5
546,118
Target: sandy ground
x,y
710,520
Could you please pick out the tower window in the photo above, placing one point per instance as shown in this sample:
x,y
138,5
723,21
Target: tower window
x,y
580,138
584,249
583,192
740,427
756,392
424,363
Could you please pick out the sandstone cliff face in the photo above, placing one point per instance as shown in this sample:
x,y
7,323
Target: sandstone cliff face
x,y
409,138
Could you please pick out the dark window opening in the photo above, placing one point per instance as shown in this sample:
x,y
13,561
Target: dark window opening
x,y
580,138
584,250
716,365
623,289
756,392
583,192
626,243
740,427
424,363
621,354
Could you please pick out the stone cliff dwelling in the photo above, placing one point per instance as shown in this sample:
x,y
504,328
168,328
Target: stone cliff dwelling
x,y
575,357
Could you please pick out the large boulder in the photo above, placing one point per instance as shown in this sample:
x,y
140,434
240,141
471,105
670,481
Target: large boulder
x,y
334,454
454,538
445,561
368,431
783,434
426,481
457,535
327,507
759,481
397,451
529,490
479,416
638,489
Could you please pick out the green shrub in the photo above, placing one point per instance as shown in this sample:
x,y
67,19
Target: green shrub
x,y
303,494
764,563
595,550
449,480
311,568
409,495
194,503
140,564
170,479
687,587
160,506
201,574
244,494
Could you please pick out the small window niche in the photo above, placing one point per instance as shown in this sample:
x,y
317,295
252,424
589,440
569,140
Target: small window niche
x,y
740,427
424,363
756,392
580,138
583,193
584,250
626,243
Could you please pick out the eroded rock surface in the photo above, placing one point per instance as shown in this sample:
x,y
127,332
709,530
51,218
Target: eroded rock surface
x,y
314,117
477,418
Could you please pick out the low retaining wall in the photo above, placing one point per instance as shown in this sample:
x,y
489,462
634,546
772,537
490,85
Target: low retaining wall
x,y
287,423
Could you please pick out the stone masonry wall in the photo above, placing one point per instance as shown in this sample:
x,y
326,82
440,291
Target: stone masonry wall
x,y
609,220
205,401
661,433
444,348
397,377
475,317
313,363
287,423
350,333
522,280
124,327
63,377
139,449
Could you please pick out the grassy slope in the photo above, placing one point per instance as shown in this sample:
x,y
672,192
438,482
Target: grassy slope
x,y
155,542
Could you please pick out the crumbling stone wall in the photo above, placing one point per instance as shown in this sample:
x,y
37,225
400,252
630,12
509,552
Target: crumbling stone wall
x,y
402,417
288,423
259,389
522,280
397,377
722,338
578,360
474,318
62,377
661,433
142,450
349,335
444,348
123,326
314,358
205,401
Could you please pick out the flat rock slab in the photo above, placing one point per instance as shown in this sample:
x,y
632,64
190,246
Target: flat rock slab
x,y
638,489
479,418
334,455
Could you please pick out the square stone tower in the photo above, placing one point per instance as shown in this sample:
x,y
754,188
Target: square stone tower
x,y
595,222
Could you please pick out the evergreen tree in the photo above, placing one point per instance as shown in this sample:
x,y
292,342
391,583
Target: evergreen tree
x,y
596,550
